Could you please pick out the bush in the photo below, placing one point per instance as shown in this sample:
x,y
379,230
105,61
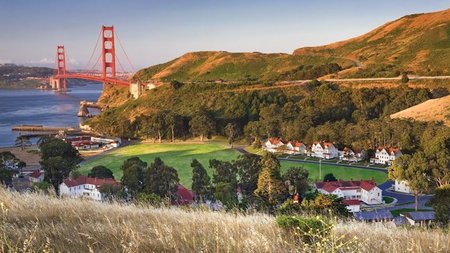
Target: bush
x,y
310,230
289,208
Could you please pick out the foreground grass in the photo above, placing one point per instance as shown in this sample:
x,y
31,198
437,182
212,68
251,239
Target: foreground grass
x,y
34,223
177,155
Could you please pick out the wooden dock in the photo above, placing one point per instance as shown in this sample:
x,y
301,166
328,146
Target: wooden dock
x,y
41,128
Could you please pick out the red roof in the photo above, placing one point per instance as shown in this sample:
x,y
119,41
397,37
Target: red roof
x,y
351,202
89,180
297,144
346,185
324,144
274,141
185,196
36,174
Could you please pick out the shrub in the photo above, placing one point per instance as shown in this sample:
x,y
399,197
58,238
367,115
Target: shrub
x,y
310,230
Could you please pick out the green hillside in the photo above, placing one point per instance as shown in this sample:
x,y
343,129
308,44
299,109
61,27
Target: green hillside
x,y
417,43
219,65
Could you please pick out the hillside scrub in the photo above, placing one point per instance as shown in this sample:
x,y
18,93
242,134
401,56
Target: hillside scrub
x,y
33,222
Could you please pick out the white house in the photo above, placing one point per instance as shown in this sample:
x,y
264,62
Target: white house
x,y
353,205
402,186
324,150
347,154
37,176
385,155
364,190
273,144
295,147
83,186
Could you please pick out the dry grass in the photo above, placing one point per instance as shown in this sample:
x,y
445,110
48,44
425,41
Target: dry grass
x,y
41,223
431,110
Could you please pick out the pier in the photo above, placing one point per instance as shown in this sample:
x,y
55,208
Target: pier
x,y
84,105
41,128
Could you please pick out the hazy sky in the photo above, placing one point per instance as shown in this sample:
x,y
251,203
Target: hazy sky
x,y
157,31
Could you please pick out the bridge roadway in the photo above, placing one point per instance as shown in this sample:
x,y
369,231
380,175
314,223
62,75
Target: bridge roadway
x,y
122,82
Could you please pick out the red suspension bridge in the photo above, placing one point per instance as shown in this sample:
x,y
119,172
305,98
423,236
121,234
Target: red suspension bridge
x,y
108,65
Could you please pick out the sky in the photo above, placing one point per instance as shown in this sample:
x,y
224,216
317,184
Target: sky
x,y
154,32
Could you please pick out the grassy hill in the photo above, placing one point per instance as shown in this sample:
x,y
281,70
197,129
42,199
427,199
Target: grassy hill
x,y
38,223
431,110
220,65
418,43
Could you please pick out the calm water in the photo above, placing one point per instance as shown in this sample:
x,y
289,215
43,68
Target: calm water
x,y
39,107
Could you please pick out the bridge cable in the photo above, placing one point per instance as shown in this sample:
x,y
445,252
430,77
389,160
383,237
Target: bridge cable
x,y
133,69
93,50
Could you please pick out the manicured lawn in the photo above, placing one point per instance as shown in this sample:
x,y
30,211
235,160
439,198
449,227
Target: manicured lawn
x,y
345,173
176,155
397,212
388,200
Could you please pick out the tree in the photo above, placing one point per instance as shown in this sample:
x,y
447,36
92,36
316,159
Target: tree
x,y
413,169
133,175
441,204
161,179
201,182
101,171
253,131
271,188
5,175
231,132
171,120
329,178
325,204
225,193
56,169
248,167
58,159
224,171
405,78
297,179
202,124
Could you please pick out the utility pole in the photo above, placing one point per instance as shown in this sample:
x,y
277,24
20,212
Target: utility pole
x,y
320,168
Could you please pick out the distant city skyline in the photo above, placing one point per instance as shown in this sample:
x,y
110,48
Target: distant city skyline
x,y
154,32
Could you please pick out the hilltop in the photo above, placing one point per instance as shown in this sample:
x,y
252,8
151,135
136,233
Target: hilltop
x,y
418,44
36,222
431,110
18,76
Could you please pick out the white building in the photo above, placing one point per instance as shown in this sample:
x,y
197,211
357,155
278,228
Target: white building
x,y
296,148
385,155
364,190
273,145
353,205
324,150
37,176
402,186
83,186
347,154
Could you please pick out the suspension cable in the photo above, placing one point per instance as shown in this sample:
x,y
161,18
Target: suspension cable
x,y
93,50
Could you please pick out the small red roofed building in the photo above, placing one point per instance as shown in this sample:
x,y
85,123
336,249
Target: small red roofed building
x,y
273,145
83,186
366,191
296,148
353,205
385,155
325,150
184,196
37,176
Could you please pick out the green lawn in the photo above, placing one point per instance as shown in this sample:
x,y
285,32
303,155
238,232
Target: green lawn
x,y
388,200
339,172
176,155
180,157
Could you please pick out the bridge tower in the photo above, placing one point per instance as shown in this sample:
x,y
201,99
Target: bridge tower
x,y
61,68
108,52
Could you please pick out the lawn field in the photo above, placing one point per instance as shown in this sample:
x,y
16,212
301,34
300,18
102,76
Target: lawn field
x,y
180,157
176,155
340,172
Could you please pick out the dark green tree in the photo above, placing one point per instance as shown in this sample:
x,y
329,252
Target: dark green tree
x,y
224,171
441,204
248,167
133,175
297,179
56,169
161,179
5,175
201,182
226,193
202,124
329,177
101,171
231,132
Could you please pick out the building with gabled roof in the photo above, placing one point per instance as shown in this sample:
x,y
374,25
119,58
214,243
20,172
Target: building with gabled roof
x,y
273,145
366,191
325,150
386,155
296,147
419,218
83,186
36,176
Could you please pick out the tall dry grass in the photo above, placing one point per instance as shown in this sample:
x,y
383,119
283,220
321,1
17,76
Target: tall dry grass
x,y
40,223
